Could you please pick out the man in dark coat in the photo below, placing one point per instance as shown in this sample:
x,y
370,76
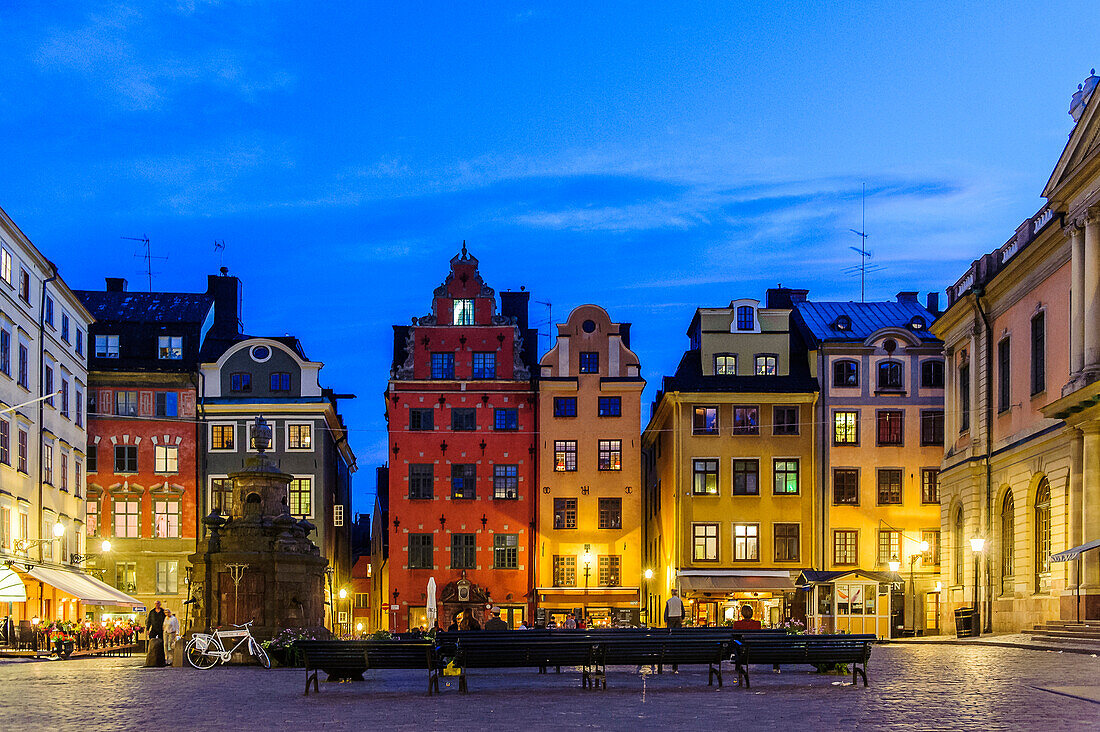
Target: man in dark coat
x,y
154,626
495,622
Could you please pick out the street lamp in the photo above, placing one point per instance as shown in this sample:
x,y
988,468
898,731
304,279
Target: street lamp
x,y
586,559
25,545
894,564
343,595
977,544
646,577
912,587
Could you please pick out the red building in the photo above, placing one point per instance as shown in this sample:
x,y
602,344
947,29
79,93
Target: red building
x,y
461,407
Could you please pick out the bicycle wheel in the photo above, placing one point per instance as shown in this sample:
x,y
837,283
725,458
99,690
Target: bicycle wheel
x,y
261,655
199,659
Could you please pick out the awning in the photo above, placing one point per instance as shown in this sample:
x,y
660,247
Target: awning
x,y
748,582
12,588
1070,554
86,588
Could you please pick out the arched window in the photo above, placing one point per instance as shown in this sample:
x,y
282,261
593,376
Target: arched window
x,y
746,317
846,373
1042,532
1008,542
890,375
957,546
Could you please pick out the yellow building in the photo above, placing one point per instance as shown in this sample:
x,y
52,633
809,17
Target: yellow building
x,y
730,488
589,511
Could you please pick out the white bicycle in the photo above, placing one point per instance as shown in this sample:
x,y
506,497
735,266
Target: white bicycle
x,y
206,650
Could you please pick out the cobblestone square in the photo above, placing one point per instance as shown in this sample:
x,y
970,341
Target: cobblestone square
x,y
917,687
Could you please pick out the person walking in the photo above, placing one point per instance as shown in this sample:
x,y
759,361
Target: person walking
x,y
171,633
154,630
674,610
495,622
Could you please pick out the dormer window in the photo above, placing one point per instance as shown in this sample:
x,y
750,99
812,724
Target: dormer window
x,y
843,322
917,323
746,317
463,312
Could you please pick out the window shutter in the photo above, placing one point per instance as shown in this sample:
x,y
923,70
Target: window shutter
x,y
187,403
105,402
145,404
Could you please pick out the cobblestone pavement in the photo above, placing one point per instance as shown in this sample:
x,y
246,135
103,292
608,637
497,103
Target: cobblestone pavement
x,y
912,686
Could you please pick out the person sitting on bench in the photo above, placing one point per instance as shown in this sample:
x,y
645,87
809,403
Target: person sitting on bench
x,y
746,622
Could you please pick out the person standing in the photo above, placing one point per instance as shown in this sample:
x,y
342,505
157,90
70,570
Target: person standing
x,y
171,633
674,610
495,622
154,630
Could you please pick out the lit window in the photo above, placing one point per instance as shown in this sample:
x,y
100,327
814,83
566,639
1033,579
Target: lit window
x,y
126,513
846,428
300,497
746,542
170,348
166,519
610,455
565,456
506,481
704,546
746,421
786,477
299,436
166,459
221,436
565,513
463,312
705,477
766,365
705,421
725,364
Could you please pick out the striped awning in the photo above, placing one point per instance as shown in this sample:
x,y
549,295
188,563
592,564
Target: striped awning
x,y
12,588
1070,554
86,588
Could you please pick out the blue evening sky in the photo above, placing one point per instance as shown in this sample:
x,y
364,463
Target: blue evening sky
x,y
648,157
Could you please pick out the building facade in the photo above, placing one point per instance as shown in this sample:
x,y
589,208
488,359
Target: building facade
x,y
730,503
881,374
461,409
589,443
1020,482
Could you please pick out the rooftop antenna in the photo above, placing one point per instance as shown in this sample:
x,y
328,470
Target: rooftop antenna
x,y
862,250
549,322
147,256
219,246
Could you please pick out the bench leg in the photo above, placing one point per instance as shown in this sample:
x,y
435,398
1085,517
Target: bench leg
x,y
861,671
433,681
462,681
715,671
312,677
743,673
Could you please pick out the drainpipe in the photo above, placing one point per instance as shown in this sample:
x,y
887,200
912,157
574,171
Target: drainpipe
x,y
42,404
988,420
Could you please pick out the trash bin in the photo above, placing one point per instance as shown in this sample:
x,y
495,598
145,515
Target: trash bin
x,y
966,622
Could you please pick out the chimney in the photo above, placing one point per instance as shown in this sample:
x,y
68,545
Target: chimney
x,y
514,304
226,292
784,297
934,303
116,284
907,297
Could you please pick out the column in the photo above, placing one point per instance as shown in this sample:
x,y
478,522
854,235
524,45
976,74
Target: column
x,y
1077,299
950,401
1091,292
1090,504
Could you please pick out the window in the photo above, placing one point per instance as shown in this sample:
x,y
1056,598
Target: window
x,y
565,513
126,458
106,346
443,365
746,542
421,481
705,421
92,452
78,476
485,365
845,487
506,551
166,519
166,459
48,378
610,455
79,342
506,419
126,511
241,381
24,366
957,547
705,477
565,571
746,477
889,546
463,551
931,427
611,513
1008,543
49,311
47,463
785,420
126,403
25,286
5,442
221,436
609,571
964,398
5,351
420,551
167,577
746,319
931,374
590,362
1004,376
890,375
463,312
1038,354
786,542
505,481
1042,533
78,397
65,327
126,576
610,406
170,348
5,265
846,428
704,546
299,437
280,381
565,456
725,364
890,426
746,421
932,556
221,495
464,481
930,485
91,525
21,455
766,365
565,406
889,486
421,419
64,397
786,477
463,419
845,547
845,374
362,599
300,497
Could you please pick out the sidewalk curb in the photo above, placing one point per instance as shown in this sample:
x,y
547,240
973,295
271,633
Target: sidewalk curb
x,y
999,644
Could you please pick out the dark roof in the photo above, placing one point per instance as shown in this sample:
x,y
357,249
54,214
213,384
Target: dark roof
x,y
866,318
146,307
689,377
213,348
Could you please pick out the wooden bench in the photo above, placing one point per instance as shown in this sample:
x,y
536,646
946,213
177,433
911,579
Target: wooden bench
x,y
350,659
810,649
516,650
665,648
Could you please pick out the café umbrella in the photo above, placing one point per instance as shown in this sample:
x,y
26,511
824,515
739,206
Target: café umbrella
x,y
433,610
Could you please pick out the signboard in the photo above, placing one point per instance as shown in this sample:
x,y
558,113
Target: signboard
x,y
394,607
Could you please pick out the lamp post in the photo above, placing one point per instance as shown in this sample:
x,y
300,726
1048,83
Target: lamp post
x,y
977,544
646,577
912,587
343,596
586,559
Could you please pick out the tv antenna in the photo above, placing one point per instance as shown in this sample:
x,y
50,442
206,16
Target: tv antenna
x,y
147,256
219,246
549,322
864,254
